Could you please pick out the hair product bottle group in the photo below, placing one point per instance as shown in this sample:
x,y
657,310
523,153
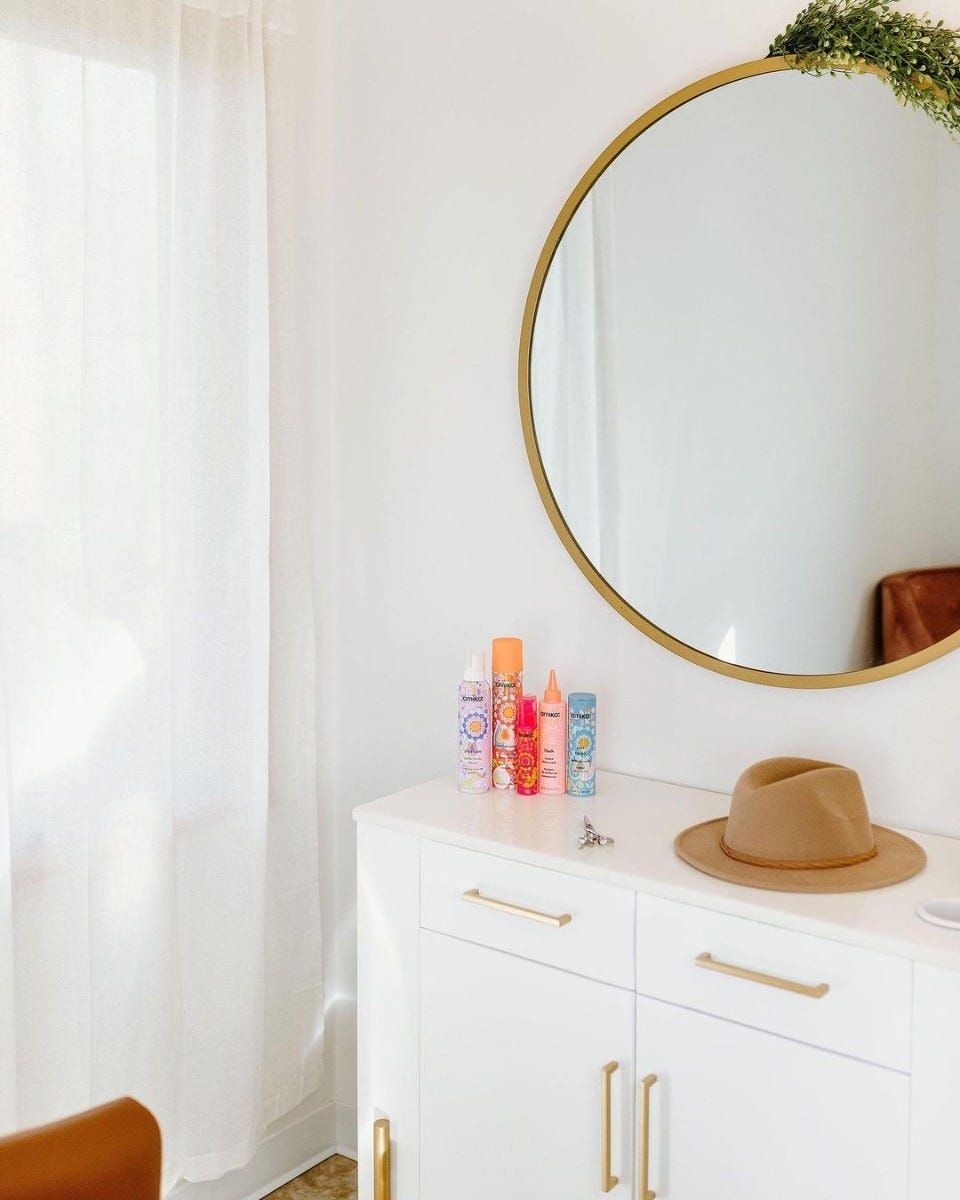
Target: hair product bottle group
x,y
510,740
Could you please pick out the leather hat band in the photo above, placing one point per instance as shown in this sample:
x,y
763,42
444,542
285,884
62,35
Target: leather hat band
x,y
793,865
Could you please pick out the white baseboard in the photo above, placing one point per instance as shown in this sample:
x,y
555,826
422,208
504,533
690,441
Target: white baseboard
x,y
346,1117
296,1146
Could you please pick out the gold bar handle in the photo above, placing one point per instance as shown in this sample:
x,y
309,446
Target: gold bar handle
x,y
814,991
607,1181
381,1159
515,910
643,1171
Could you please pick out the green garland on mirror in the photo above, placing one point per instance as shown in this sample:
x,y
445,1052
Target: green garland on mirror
x,y
917,57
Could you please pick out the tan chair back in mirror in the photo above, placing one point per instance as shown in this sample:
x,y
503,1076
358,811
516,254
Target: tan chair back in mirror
x,y
918,609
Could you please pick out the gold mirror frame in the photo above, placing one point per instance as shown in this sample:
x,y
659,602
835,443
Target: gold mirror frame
x,y
763,66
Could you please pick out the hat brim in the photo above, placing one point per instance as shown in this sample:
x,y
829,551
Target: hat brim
x,y
898,858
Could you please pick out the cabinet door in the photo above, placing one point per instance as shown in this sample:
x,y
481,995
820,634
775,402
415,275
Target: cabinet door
x,y
511,1077
388,943
737,1114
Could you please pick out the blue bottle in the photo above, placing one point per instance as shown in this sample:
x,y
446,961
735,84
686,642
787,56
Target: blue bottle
x,y
581,744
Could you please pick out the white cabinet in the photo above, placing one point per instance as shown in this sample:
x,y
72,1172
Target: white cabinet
x,y
511,1078
738,1114
804,1047
388,1006
935,1092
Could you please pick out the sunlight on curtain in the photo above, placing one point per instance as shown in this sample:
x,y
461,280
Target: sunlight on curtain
x,y
159,916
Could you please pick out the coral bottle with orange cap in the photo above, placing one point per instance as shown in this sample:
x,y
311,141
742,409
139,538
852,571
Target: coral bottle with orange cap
x,y
553,740
507,679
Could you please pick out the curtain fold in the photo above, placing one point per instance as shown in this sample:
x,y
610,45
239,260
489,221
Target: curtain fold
x,y
159,912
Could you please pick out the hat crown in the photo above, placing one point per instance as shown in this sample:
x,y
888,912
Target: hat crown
x,y
799,813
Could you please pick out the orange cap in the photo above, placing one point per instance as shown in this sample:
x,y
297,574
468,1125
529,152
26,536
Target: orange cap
x,y
551,694
507,656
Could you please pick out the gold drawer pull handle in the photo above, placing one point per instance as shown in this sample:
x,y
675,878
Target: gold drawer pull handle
x,y
815,991
474,897
607,1181
643,1171
381,1159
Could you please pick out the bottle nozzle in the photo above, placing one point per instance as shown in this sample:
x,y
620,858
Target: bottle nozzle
x,y
476,669
552,693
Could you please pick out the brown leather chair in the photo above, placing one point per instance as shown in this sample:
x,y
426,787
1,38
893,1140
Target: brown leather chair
x,y
108,1153
918,609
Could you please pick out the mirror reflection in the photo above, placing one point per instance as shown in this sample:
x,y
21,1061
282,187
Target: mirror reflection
x,y
743,370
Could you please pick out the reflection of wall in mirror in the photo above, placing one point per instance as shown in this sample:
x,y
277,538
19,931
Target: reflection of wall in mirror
x,y
571,365
944,312
787,443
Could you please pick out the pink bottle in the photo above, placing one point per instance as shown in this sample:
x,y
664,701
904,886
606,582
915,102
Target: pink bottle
x,y
553,740
527,759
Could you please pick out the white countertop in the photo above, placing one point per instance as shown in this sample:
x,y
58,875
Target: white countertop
x,y
644,817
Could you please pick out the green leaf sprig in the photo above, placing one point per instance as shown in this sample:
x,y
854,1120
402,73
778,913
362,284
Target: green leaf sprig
x,y
917,57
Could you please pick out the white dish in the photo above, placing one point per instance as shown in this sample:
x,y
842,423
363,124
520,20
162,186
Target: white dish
x,y
941,912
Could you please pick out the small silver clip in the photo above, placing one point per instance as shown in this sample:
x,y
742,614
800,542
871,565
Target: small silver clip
x,y
590,837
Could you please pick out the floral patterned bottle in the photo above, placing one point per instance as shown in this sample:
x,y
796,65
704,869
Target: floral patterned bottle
x,y
581,743
527,759
507,687
474,725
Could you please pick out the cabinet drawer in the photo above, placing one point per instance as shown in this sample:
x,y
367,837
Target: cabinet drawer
x,y
863,1010
556,919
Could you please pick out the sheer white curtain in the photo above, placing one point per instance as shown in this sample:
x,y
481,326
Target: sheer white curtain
x,y
159,913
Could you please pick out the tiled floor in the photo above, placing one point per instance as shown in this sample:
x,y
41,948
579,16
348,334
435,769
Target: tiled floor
x,y
335,1179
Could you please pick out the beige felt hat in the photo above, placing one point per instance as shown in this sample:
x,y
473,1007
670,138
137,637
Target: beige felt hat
x,y
797,825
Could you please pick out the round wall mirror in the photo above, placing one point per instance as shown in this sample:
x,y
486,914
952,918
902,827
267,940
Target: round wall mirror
x,y
737,373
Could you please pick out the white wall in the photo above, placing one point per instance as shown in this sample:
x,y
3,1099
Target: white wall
x,y
459,130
